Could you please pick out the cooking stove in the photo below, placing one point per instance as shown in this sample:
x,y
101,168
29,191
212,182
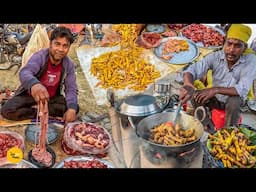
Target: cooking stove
x,y
140,154
154,158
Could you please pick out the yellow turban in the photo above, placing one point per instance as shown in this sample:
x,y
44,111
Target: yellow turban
x,y
239,31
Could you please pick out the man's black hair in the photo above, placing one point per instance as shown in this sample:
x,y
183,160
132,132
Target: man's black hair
x,y
62,32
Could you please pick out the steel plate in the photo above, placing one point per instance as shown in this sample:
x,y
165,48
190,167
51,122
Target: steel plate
x,y
252,105
182,57
157,28
22,164
82,158
32,134
200,44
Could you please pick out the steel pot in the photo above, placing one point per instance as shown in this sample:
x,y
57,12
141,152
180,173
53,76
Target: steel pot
x,y
134,108
162,87
145,125
125,119
139,105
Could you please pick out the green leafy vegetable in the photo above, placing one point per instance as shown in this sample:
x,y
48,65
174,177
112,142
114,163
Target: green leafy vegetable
x,y
250,134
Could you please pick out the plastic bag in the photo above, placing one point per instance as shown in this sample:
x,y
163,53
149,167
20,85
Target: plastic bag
x,y
110,38
87,138
3,150
38,40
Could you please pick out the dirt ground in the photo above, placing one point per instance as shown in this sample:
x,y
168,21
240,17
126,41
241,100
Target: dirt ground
x,y
86,99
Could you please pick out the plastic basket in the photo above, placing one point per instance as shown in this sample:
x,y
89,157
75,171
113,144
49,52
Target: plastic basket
x,y
208,160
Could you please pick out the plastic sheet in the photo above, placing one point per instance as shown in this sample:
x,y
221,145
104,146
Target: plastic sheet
x,y
18,137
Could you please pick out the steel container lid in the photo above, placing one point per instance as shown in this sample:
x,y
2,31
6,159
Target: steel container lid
x,y
140,105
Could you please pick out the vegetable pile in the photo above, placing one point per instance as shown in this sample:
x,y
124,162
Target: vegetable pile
x,y
234,147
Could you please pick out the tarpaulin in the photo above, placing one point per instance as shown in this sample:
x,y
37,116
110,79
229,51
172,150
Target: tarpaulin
x,y
75,28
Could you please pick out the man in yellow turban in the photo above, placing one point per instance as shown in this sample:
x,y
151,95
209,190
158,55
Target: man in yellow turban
x,y
240,32
232,75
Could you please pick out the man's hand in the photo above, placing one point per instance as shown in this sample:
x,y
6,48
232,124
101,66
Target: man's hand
x,y
39,93
204,95
186,93
69,116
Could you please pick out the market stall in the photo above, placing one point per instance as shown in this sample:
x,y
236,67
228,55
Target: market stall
x,y
153,55
132,64
55,140
168,48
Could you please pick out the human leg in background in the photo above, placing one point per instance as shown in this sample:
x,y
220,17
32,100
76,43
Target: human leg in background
x,y
19,108
232,110
203,112
57,106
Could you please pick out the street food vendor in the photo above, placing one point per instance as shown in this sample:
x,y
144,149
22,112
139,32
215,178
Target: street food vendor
x,y
47,74
233,72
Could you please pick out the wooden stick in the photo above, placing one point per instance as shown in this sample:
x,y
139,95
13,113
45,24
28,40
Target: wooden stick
x,y
116,130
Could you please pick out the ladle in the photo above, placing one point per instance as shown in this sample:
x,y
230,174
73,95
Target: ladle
x,y
177,114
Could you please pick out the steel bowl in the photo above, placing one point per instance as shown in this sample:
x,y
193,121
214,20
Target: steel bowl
x,y
139,105
39,164
162,87
157,28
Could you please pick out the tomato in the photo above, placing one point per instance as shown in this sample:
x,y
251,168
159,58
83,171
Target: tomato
x,y
169,123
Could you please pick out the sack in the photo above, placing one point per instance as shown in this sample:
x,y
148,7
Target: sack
x,y
110,38
38,40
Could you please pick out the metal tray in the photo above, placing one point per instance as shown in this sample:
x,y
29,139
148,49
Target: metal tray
x,y
252,105
33,130
82,158
182,57
22,164
157,28
200,44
